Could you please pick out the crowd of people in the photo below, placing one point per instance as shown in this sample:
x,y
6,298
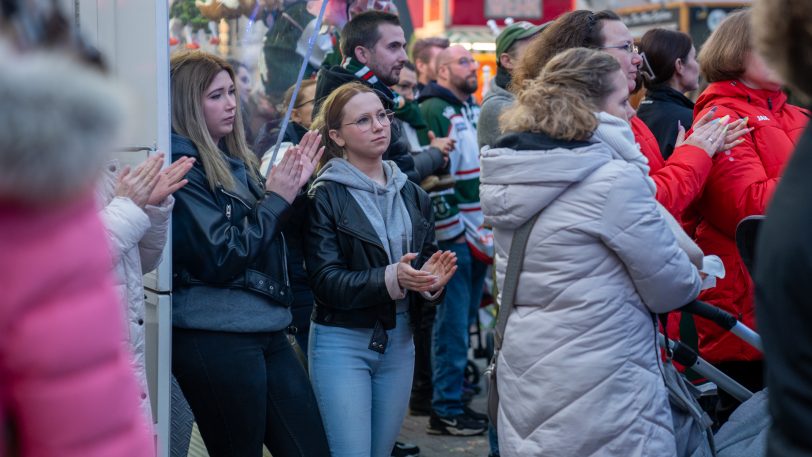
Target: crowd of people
x,y
367,237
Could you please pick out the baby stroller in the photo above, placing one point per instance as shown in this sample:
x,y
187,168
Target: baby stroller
x,y
745,433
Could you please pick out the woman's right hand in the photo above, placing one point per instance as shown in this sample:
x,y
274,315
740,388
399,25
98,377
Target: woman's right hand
x,y
707,135
137,185
285,176
414,280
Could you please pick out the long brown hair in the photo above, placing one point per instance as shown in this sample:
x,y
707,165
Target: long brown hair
x,y
562,100
192,72
331,116
576,29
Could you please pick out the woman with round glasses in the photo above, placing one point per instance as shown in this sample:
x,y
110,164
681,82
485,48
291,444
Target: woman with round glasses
x,y
372,261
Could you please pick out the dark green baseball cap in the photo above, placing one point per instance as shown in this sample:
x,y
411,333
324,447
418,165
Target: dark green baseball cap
x,y
514,32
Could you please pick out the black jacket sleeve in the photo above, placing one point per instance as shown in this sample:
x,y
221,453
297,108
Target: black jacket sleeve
x,y
213,247
331,276
399,151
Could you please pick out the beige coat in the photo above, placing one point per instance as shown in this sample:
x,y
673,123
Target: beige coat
x,y
578,371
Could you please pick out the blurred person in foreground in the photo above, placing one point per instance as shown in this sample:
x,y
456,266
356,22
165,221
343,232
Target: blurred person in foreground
x,y
578,368
671,56
783,35
740,184
67,387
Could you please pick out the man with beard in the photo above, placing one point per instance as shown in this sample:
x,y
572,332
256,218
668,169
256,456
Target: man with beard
x,y
374,49
450,111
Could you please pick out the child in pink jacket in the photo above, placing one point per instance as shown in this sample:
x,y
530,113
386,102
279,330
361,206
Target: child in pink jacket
x,y
66,385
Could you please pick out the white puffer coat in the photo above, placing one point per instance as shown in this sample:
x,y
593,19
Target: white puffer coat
x,y
578,371
137,239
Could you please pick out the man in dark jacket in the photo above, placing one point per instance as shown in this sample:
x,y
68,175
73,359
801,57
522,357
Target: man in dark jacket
x,y
374,49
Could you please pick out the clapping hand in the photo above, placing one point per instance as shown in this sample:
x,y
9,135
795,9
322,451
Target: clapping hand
x,y
441,264
311,151
415,280
170,179
285,177
138,184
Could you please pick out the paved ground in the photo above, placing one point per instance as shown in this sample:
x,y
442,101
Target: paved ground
x,y
414,431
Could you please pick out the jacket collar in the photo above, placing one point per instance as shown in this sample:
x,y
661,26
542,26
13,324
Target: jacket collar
x,y
669,95
736,90
536,141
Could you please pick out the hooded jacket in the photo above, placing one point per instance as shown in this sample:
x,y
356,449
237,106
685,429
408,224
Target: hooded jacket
x,y
740,184
66,383
494,104
578,369
345,252
138,237
458,212
399,150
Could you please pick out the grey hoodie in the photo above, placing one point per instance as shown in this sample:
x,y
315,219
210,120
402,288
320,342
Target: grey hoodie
x,y
495,102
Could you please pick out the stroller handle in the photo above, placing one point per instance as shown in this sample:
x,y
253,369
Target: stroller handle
x,y
687,357
725,320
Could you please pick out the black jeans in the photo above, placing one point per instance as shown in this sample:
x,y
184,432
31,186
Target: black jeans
x,y
246,389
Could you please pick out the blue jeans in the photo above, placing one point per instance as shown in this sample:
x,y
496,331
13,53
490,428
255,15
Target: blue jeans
x,y
451,326
362,394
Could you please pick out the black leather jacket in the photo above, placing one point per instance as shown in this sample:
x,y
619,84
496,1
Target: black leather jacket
x,y
346,262
229,239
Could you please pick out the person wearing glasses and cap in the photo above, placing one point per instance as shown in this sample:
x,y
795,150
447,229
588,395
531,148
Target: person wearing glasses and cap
x,y
510,45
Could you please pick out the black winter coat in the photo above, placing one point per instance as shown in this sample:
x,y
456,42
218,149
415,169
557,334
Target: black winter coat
x,y
346,262
783,266
228,238
660,110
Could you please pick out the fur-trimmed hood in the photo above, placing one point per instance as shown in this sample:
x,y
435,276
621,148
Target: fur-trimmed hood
x,y
59,122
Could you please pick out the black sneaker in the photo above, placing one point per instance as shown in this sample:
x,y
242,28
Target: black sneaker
x,y
479,417
405,450
460,425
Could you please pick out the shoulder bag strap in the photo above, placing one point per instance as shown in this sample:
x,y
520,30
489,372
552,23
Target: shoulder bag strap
x,y
514,267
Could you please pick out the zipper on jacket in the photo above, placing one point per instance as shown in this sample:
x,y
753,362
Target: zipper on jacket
x,y
228,211
235,197
285,258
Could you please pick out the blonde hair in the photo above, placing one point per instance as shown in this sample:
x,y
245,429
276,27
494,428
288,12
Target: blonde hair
x,y
562,100
306,83
723,54
331,116
782,32
192,72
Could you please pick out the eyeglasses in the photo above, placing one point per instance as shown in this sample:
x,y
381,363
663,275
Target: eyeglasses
x,y
464,62
364,123
304,103
628,47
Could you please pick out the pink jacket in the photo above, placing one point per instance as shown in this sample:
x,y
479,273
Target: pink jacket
x,y
66,385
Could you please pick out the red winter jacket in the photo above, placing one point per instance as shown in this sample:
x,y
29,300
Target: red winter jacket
x,y
680,179
740,184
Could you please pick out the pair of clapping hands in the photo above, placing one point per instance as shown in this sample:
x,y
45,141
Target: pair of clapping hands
x,y
148,184
297,165
434,274
714,135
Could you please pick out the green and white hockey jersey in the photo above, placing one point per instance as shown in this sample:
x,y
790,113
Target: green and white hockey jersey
x,y
457,210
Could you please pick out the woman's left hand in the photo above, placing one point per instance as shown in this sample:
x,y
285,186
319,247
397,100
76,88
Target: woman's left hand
x,y
441,264
311,151
170,179
735,130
